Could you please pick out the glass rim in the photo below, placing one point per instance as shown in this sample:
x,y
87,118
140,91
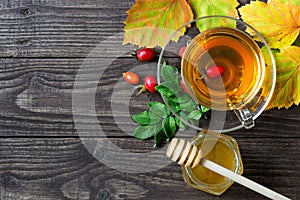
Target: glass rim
x,y
237,164
262,40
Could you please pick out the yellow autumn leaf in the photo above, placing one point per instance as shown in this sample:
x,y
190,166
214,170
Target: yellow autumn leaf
x,y
203,8
278,22
296,2
150,23
287,88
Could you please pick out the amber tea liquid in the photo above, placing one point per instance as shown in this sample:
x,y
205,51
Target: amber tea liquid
x,y
241,59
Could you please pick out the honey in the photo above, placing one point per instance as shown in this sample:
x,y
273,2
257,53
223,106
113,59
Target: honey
x,y
225,152
241,59
221,154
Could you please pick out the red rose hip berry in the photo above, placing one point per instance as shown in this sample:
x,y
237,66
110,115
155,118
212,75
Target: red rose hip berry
x,y
181,51
150,83
146,54
131,78
215,71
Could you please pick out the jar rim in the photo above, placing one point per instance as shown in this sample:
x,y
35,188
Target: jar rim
x,y
226,183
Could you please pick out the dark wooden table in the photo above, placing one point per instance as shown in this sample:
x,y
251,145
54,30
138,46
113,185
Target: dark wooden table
x,y
44,44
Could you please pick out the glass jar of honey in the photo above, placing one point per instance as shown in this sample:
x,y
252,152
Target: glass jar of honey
x,y
225,152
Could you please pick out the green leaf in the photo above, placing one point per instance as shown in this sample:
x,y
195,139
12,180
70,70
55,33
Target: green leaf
x,y
172,126
158,121
157,138
142,118
169,73
183,117
145,132
168,88
159,109
170,76
214,7
188,106
163,90
146,117
204,109
179,123
195,114
154,119
169,127
180,98
173,86
173,106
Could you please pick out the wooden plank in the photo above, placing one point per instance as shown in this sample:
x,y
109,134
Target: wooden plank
x,y
42,156
36,94
36,99
58,28
64,30
16,4
55,168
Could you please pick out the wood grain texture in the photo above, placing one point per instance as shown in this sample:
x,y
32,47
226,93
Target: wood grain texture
x,y
44,44
36,96
57,168
58,28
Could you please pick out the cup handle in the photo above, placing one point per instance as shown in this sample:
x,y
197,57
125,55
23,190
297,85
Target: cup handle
x,y
245,117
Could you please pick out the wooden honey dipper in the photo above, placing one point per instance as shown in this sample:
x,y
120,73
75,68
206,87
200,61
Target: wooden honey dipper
x,y
184,153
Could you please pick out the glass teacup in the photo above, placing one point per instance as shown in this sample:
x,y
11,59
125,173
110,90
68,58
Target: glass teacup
x,y
245,83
